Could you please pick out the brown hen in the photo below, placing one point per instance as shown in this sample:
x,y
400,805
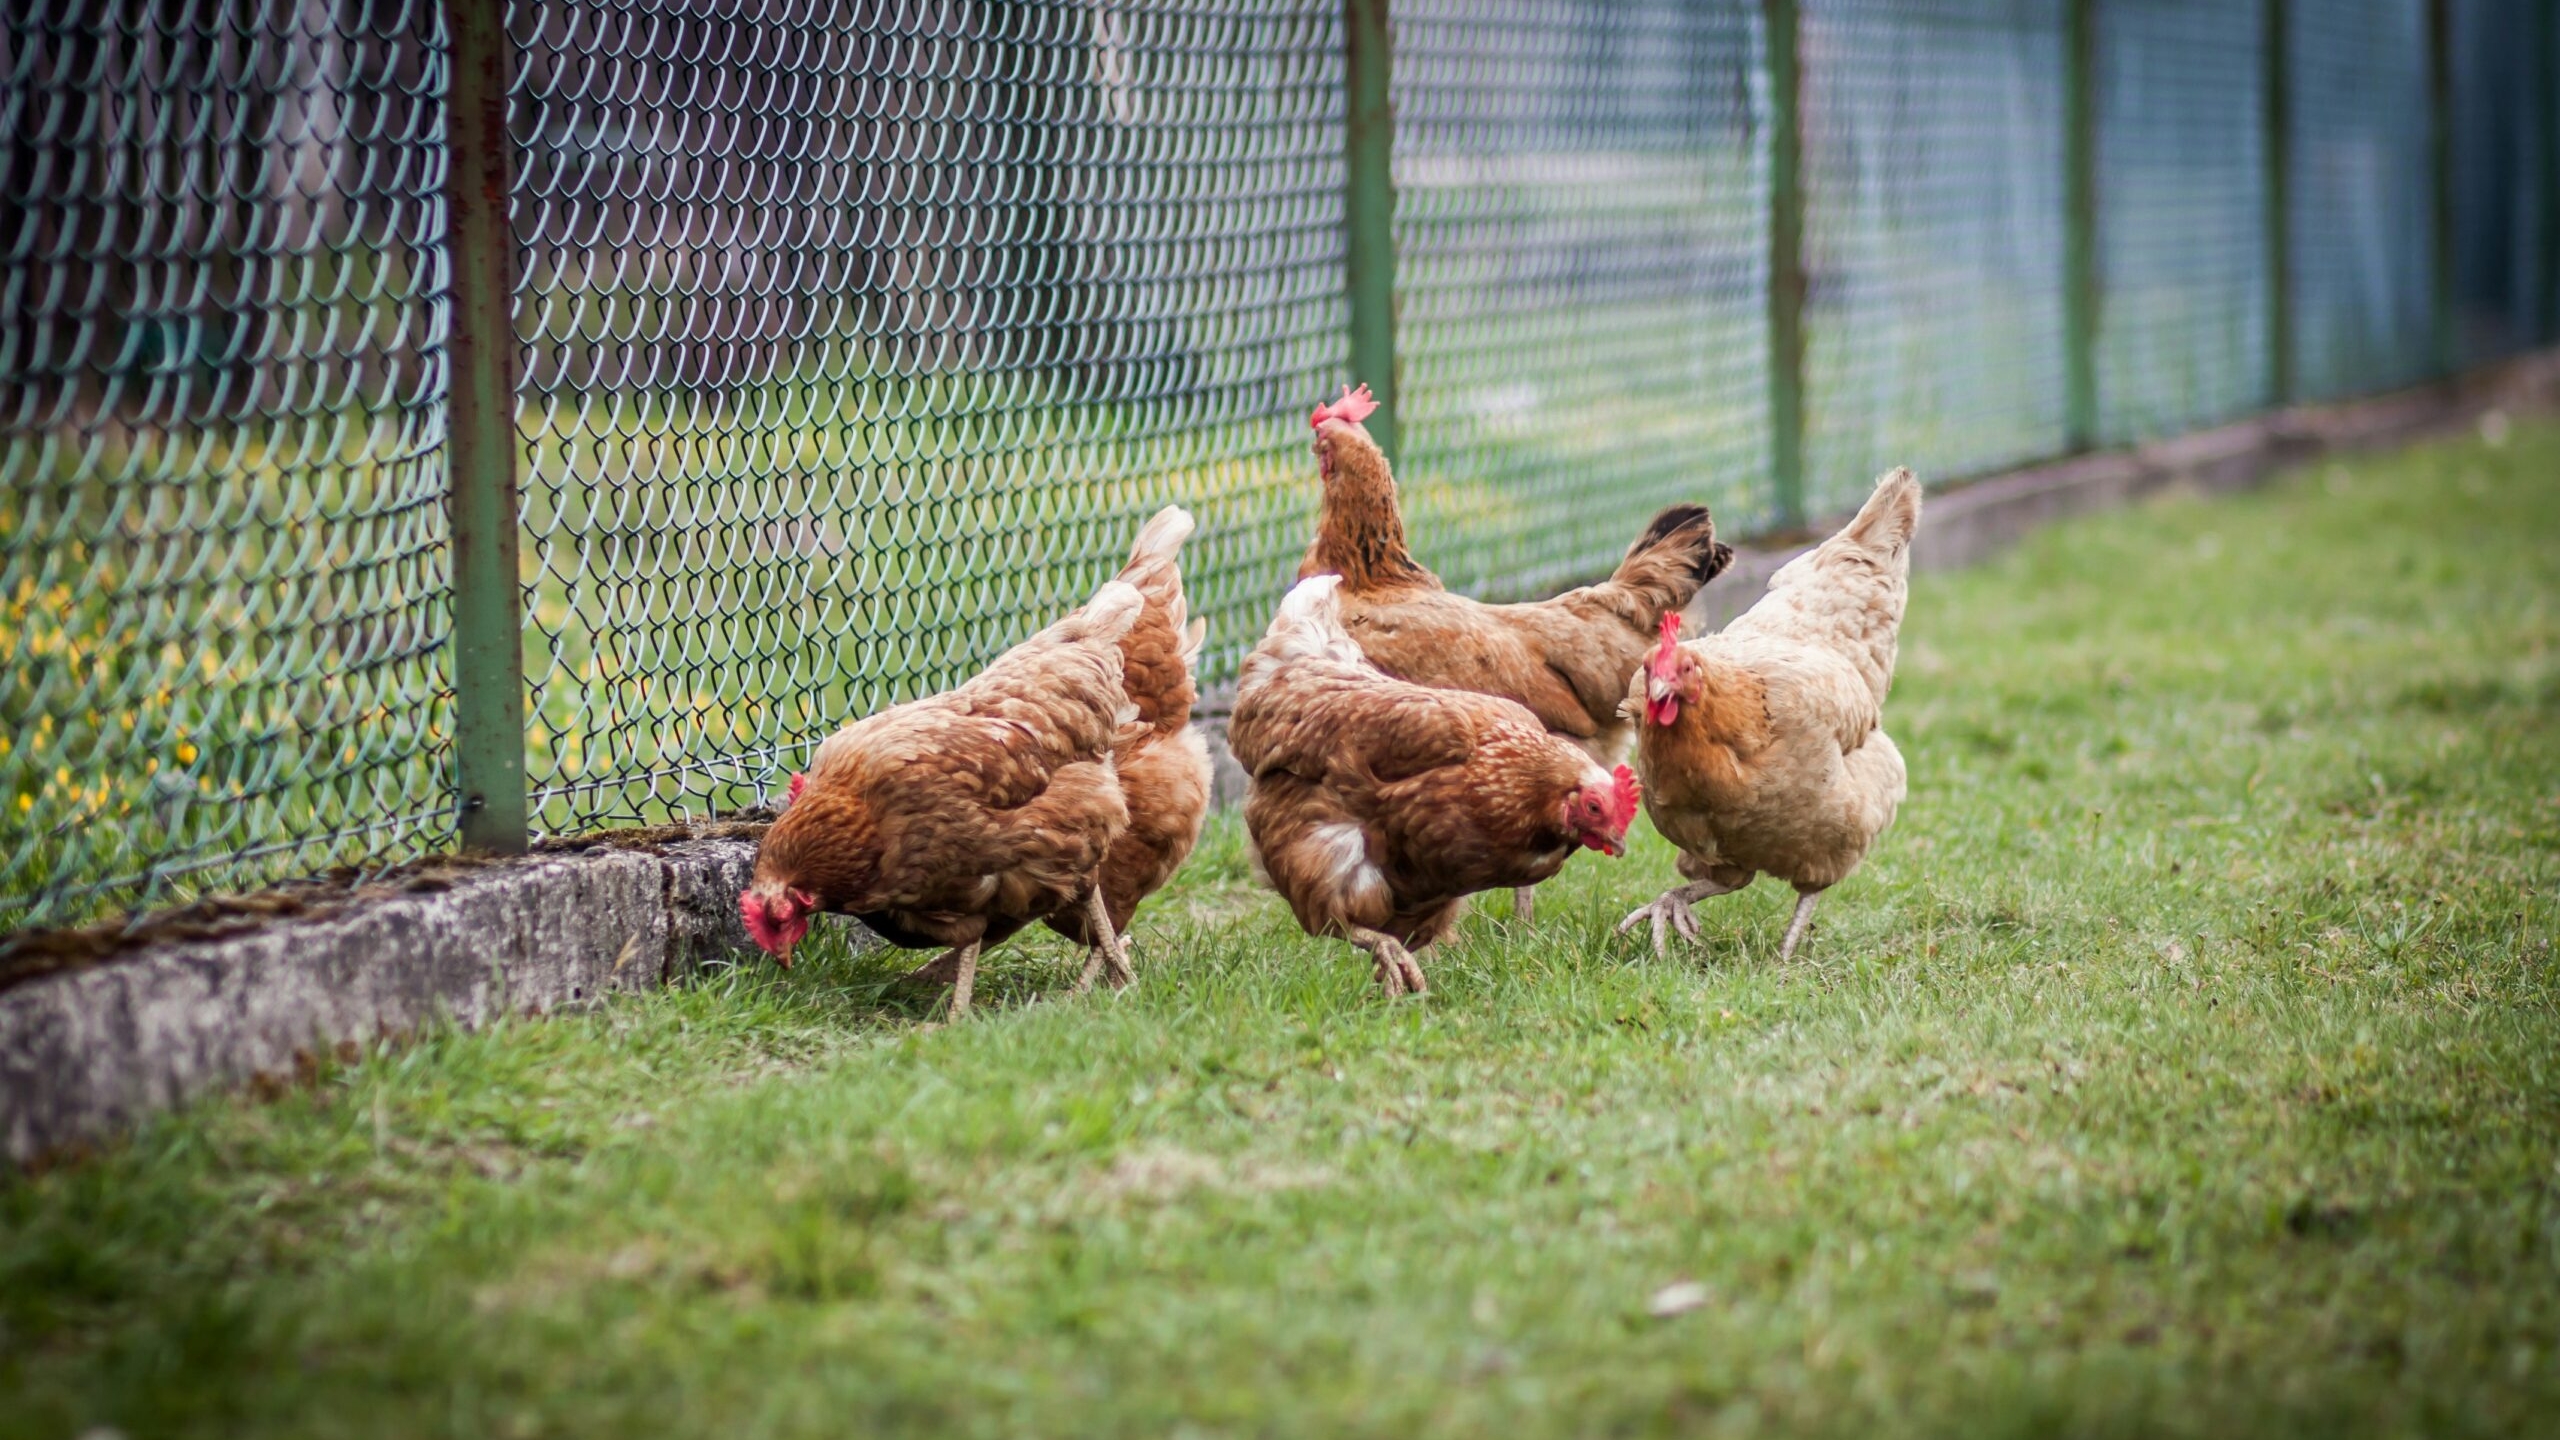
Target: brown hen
x,y
1377,805
1762,747
957,819
1567,659
1163,763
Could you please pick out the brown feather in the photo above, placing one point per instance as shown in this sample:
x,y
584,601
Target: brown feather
x,y
1566,659
1379,804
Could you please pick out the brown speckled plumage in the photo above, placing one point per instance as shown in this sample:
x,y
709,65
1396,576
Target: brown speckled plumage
x,y
1376,805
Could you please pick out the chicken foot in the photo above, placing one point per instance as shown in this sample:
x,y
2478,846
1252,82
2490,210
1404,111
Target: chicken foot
x,y
955,969
1109,947
1398,973
1670,911
1524,906
1797,927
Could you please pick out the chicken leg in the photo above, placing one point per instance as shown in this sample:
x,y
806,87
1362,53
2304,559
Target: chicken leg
x,y
1398,973
1797,927
1108,947
1670,911
938,972
964,978
1524,906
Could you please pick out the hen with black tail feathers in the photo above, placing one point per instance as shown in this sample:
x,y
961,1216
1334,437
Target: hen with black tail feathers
x,y
1567,659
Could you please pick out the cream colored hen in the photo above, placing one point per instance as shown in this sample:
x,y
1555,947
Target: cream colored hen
x,y
1762,747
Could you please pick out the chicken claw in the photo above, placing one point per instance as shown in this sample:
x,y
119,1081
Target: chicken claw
x,y
1397,972
1671,911
1109,947
1668,913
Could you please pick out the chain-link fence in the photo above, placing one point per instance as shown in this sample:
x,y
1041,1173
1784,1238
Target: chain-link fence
x,y
222,586
860,337
2361,178
2183,262
1933,183
2506,121
852,339
1583,269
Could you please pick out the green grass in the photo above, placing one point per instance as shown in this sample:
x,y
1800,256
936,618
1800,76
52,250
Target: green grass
x,y
2186,1062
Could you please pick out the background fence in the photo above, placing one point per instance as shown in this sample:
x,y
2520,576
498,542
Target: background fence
x,y
851,340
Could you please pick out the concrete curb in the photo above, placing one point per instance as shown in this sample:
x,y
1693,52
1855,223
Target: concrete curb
x,y
86,1052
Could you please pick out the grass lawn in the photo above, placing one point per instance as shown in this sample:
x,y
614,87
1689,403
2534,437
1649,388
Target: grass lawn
x,y
2186,1062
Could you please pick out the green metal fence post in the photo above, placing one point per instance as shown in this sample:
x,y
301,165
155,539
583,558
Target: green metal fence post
x,y
1786,264
480,443
2080,300
1369,207
2279,212
2448,328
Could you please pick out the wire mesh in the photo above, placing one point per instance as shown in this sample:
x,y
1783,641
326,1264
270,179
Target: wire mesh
x,y
221,574
1933,184
2182,229
1582,263
857,336
859,339
2501,175
2362,196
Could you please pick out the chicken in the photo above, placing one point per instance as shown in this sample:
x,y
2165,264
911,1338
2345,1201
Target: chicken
x,y
1567,659
1163,763
1762,747
1377,805
958,819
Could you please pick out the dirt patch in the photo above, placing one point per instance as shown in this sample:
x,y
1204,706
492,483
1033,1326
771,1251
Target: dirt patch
x,y
1164,1174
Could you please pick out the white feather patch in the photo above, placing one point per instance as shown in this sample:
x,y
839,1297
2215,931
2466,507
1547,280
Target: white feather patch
x,y
1346,857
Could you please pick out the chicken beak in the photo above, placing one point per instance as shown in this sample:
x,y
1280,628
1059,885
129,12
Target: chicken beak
x,y
1662,700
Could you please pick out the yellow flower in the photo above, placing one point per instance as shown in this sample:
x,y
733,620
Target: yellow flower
x,y
186,753
26,803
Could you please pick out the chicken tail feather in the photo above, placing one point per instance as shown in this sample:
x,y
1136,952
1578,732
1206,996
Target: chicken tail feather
x,y
1111,613
1887,521
1675,556
1163,535
1309,625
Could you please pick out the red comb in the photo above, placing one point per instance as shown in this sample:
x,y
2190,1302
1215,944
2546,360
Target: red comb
x,y
1663,657
792,796
1624,796
1354,406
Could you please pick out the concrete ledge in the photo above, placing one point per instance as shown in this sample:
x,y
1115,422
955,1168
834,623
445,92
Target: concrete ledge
x,y
88,1048
85,1052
